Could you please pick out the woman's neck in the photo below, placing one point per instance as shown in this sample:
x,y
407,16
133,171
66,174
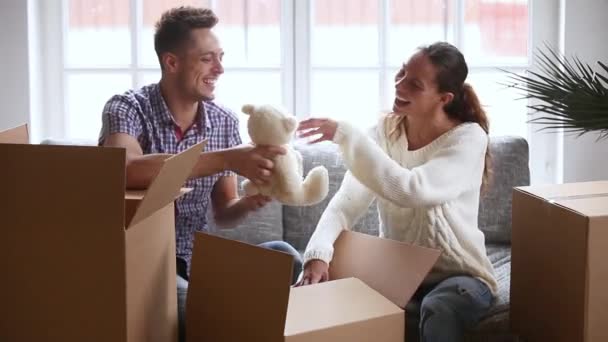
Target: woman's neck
x,y
422,131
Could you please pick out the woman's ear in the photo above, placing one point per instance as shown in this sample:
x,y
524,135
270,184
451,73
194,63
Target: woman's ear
x,y
446,98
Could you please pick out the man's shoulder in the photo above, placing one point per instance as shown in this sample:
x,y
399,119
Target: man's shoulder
x,y
140,97
219,112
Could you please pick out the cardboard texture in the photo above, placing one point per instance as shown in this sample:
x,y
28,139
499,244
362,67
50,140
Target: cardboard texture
x,y
392,268
16,135
86,260
558,265
342,310
241,292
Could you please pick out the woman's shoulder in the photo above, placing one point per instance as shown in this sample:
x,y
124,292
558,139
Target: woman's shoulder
x,y
384,128
466,131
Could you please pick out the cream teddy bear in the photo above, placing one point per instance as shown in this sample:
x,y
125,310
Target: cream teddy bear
x,y
268,125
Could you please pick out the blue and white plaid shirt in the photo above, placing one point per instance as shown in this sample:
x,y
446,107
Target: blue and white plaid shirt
x,y
144,115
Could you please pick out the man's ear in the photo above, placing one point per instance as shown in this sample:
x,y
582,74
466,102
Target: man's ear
x,y
170,62
446,98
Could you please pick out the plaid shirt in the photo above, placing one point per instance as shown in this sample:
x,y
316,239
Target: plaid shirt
x,y
144,115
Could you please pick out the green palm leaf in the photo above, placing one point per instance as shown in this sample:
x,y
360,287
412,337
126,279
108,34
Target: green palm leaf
x,y
571,94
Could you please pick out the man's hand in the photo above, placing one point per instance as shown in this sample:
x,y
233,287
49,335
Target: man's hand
x,y
255,202
253,162
315,271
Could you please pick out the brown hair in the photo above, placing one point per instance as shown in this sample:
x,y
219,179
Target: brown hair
x,y
452,72
174,26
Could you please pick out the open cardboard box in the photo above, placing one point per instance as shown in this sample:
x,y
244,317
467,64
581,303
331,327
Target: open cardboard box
x,y
15,135
559,274
240,292
83,259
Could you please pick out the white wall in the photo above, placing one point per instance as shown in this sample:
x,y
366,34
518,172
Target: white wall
x,y
14,60
545,148
585,35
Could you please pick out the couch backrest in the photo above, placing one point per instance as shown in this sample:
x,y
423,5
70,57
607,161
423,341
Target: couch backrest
x,y
510,168
296,224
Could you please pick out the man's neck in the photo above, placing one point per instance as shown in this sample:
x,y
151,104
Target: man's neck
x,y
182,109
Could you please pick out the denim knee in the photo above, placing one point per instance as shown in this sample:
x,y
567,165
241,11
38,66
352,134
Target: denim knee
x,y
284,247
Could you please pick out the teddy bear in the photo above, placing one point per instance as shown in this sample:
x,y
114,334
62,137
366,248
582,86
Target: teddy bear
x,y
270,125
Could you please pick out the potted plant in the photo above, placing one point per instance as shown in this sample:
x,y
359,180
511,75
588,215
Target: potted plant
x,y
570,94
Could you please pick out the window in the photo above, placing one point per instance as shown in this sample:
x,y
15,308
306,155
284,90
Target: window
x,y
333,58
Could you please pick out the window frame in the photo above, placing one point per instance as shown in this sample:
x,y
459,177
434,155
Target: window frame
x,y
546,151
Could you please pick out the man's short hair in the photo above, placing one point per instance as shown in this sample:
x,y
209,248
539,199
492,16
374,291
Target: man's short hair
x,y
174,26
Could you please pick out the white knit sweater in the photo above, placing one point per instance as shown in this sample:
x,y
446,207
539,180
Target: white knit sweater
x,y
427,197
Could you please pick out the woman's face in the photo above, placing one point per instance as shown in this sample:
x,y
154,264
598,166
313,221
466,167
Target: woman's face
x,y
416,92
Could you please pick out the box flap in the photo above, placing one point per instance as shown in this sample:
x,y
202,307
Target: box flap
x,y
334,303
234,284
63,237
167,184
393,268
138,195
16,135
595,206
586,198
557,192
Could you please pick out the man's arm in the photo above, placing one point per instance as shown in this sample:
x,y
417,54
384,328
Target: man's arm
x,y
251,162
228,208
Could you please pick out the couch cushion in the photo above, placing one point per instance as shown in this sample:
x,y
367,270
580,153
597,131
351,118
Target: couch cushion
x,y
509,169
300,222
495,325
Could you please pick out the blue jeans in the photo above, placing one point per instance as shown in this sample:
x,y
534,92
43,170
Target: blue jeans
x,y
182,280
444,311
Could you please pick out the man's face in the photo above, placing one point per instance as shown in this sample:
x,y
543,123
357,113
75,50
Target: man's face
x,y
200,65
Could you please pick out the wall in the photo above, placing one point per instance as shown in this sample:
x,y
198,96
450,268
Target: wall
x,y
15,95
585,35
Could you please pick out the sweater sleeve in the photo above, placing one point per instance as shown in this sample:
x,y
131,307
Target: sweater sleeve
x,y
342,212
452,169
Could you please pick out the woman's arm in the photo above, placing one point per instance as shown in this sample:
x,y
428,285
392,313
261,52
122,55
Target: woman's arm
x,y
451,170
343,211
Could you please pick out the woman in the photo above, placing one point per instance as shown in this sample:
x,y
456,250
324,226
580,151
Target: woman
x,y
426,167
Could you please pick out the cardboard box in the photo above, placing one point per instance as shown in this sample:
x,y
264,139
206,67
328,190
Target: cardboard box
x,y
559,263
240,292
16,135
83,259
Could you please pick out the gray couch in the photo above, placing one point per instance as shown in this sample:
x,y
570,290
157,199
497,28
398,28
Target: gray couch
x,y
296,224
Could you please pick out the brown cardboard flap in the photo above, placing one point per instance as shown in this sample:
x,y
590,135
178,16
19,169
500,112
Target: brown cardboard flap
x,y
595,206
237,291
586,198
16,135
138,195
167,184
555,192
597,278
334,303
63,238
393,268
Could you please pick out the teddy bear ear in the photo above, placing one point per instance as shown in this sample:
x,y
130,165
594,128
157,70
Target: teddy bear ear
x,y
248,109
290,123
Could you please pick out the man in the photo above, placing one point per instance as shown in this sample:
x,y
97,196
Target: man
x,y
159,120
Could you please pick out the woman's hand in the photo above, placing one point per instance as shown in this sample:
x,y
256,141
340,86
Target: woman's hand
x,y
324,127
315,271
